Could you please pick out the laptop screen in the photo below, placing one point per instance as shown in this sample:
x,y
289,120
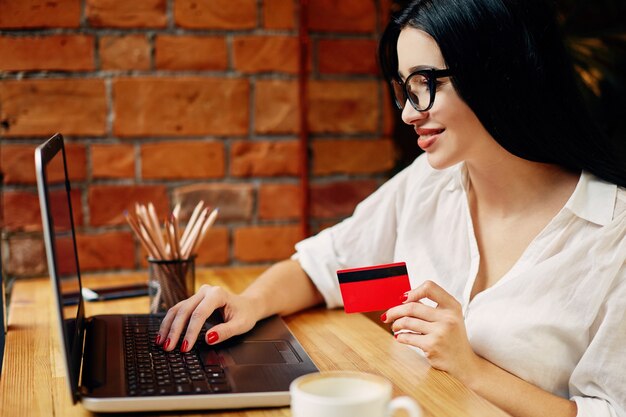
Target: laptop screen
x,y
56,212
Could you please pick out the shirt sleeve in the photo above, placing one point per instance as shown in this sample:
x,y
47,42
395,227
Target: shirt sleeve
x,y
597,383
366,238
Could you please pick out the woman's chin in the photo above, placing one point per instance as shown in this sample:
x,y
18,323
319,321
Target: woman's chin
x,y
438,162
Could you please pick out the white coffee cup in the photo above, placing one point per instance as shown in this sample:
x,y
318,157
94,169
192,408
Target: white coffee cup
x,y
346,394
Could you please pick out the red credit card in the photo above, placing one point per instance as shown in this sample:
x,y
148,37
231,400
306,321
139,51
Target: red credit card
x,y
373,288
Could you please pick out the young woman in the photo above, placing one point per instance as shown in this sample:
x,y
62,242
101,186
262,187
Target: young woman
x,y
512,224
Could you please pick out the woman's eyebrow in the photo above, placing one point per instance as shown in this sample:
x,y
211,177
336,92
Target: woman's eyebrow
x,y
423,67
417,68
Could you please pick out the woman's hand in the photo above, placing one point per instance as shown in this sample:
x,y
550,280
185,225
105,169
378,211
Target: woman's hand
x,y
238,311
438,331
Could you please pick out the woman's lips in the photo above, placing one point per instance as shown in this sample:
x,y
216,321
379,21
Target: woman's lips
x,y
427,137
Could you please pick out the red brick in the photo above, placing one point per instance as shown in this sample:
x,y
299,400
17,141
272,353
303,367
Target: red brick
x,y
130,52
112,161
264,158
54,52
215,14
191,53
342,16
266,54
214,249
386,8
347,56
74,107
318,226
109,250
39,13
339,198
235,201
21,209
126,14
180,106
279,201
182,159
391,114
279,14
107,203
265,243
352,156
343,106
26,256
18,164
276,107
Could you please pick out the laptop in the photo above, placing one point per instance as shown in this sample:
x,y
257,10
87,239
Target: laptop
x,y
111,361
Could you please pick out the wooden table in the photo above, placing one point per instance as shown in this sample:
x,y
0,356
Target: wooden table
x,y
33,380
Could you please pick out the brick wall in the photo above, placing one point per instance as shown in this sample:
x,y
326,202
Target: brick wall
x,y
179,100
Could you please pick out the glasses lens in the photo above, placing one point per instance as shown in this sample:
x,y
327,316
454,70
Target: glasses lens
x,y
418,87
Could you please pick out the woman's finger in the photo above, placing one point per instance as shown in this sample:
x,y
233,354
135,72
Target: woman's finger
x,y
433,292
166,323
168,320
183,312
215,298
228,329
410,309
414,339
411,324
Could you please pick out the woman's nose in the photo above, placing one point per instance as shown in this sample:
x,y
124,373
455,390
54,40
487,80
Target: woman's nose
x,y
410,115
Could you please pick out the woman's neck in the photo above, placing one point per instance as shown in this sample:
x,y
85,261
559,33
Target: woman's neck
x,y
507,186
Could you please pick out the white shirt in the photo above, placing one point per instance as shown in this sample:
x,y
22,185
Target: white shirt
x,y
557,319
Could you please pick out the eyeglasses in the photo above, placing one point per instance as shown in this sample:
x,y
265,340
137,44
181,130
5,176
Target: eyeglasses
x,y
419,87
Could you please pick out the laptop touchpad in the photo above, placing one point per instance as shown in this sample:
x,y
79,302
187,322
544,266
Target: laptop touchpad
x,y
262,352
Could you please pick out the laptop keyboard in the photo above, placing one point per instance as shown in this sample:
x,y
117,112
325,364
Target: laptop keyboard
x,y
152,371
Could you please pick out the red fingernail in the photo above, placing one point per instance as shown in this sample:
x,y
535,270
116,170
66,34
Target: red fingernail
x,y
184,346
212,337
158,339
166,344
404,297
395,336
383,317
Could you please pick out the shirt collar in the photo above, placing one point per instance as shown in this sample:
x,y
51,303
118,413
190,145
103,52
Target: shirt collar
x,y
593,199
459,177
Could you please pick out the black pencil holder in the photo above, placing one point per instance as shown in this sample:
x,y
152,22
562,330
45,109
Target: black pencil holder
x,y
169,282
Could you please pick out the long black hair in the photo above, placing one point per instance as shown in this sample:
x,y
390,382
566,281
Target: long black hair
x,y
512,69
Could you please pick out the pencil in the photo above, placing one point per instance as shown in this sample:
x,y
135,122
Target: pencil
x,y
142,239
187,245
209,222
191,221
155,224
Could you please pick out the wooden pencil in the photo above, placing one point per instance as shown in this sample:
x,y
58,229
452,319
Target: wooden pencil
x,y
192,220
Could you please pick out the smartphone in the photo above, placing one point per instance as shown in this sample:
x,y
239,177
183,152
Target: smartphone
x,y
109,293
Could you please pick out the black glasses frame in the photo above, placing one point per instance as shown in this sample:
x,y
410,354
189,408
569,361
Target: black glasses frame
x,y
431,76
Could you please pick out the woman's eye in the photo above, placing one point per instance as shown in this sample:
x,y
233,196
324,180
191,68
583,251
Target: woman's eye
x,y
419,82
